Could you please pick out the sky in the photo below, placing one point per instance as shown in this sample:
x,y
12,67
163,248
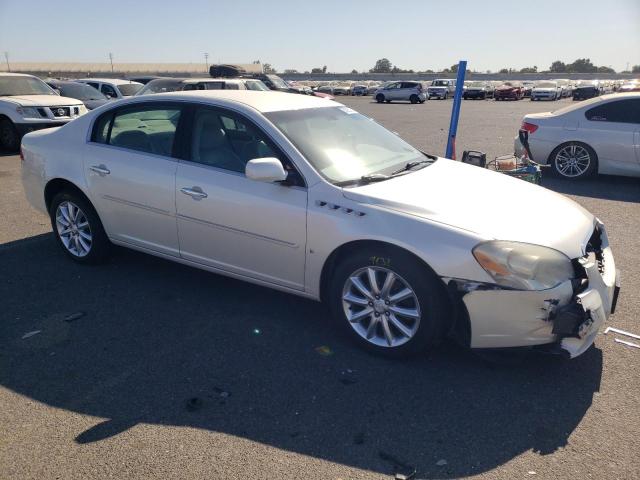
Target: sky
x,y
343,35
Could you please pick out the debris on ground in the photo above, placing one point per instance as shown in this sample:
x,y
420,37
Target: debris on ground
x,y
31,334
324,350
441,463
221,392
532,472
257,331
407,472
348,377
74,316
621,332
194,404
629,344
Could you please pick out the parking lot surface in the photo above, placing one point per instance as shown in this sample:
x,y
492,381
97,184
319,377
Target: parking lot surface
x,y
143,368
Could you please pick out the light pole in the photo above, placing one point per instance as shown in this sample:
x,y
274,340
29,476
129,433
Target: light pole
x,y
6,57
206,61
111,61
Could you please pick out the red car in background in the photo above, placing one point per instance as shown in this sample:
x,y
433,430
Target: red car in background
x,y
509,91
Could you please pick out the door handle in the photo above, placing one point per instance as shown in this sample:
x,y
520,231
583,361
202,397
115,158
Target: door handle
x,y
100,169
194,192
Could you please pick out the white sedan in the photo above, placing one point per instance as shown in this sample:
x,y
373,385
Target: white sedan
x,y
308,196
600,135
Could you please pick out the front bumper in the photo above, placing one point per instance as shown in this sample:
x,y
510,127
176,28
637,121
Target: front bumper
x,y
564,319
24,128
437,93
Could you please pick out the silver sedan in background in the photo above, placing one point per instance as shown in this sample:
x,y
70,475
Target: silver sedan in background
x,y
600,135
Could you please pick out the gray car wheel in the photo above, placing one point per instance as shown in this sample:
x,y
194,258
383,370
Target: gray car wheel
x,y
574,160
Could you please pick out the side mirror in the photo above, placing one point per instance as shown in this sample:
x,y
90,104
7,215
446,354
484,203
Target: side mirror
x,y
268,170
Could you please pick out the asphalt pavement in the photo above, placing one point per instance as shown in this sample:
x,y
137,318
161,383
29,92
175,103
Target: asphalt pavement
x,y
143,368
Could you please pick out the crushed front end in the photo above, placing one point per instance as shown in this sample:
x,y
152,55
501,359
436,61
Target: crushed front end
x,y
564,319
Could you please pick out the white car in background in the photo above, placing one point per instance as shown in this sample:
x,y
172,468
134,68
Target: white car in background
x,y
27,103
305,195
600,135
546,90
113,87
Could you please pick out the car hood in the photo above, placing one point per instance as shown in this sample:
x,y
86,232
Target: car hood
x,y
490,204
42,100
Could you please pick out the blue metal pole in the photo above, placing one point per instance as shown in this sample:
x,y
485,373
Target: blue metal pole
x,y
455,112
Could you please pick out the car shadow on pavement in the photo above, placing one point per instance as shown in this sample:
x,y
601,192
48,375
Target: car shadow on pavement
x,y
143,340
606,187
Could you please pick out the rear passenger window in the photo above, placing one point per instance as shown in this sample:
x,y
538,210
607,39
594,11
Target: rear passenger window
x,y
621,111
149,129
108,90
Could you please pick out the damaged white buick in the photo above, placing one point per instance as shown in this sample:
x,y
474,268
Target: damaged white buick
x,y
310,197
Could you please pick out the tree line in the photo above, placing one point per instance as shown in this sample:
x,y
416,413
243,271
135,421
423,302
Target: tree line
x,y
384,65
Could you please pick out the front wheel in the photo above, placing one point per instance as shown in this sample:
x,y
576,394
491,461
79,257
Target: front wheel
x,y
379,98
78,228
388,303
9,138
414,99
574,160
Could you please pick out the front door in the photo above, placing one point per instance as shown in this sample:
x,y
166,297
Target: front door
x,y
232,223
130,171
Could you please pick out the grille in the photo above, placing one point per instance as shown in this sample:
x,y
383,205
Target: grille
x,y
60,111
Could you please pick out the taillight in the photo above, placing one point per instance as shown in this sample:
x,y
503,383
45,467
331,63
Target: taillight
x,y
21,154
529,127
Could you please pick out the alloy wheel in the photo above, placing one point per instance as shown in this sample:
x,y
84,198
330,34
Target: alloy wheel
x,y
73,229
572,161
381,306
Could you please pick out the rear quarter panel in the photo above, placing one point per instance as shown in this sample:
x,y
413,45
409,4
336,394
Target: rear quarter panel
x,y
53,153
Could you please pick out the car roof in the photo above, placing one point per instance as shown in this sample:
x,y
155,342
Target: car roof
x,y
12,74
114,81
262,101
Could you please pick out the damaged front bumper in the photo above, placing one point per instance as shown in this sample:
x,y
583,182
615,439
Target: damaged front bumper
x,y
564,319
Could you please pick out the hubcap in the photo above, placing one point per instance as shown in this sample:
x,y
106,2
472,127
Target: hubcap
x,y
73,229
573,161
381,306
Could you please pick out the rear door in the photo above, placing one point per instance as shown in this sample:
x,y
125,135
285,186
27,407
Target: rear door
x,y
232,223
130,170
614,128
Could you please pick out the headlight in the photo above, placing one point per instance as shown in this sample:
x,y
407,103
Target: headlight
x,y
28,112
82,110
522,265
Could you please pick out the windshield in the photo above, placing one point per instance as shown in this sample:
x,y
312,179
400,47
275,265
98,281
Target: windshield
x,y
477,84
161,86
546,85
256,85
440,83
128,89
18,85
342,144
80,91
277,81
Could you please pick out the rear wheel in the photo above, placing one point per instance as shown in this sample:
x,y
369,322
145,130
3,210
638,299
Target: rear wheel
x,y
380,98
574,160
388,303
78,228
414,99
9,138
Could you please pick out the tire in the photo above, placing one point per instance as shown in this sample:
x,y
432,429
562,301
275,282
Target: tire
x,y
9,137
580,170
414,99
427,303
387,101
380,98
87,250
446,95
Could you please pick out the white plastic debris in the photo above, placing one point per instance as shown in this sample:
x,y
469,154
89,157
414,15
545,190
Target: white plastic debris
x,y
441,463
532,472
629,344
31,334
621,332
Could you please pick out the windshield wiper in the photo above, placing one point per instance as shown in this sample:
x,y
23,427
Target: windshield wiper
x,y
363,180
410,166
